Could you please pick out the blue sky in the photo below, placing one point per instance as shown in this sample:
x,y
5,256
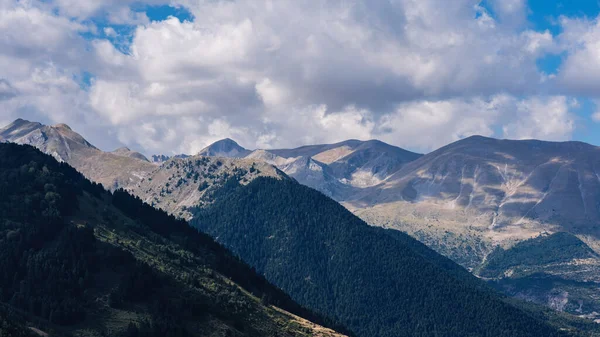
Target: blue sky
x,y
162,12
173,76
124,32
544,15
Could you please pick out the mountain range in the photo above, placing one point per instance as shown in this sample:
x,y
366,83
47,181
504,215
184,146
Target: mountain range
x,y
129,269
467,200
119,168
80,261
484,191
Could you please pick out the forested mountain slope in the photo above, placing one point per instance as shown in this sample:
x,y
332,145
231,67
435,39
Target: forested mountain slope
x,y
331,261
461,200
77,260
558,270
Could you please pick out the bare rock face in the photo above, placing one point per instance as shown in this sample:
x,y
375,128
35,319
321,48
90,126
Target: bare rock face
x,y
499,191
59,140
339,170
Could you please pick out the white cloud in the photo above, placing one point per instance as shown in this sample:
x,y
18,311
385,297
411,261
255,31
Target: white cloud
x,y
117,11
283,73
126,16
32,35
596,114
7,91
430,124
110,32
542,118
288,72
427,125
511,12
271,94
42,58
580,72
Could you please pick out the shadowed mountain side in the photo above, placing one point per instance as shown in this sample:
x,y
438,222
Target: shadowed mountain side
x,y
331,261
80,261
462,200
471,196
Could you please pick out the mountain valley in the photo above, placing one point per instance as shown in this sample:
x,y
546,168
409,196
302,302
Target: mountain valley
x,y
468,201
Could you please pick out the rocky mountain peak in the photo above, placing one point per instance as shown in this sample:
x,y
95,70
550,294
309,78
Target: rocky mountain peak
x,y
17,129
224,148
127,152
63,126
112,169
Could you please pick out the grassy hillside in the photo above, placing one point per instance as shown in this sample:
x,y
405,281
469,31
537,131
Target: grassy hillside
x,y
80,261
331,261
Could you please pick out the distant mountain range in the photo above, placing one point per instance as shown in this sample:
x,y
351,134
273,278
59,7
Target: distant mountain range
x,y
465,200
374,281
488,191
334,169
485,190
112,169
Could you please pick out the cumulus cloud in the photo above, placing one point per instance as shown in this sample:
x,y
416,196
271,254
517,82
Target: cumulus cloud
x,y
117,11
430,124
268,68
580,72
542,118
110,32
510,12
6,90
31,35
42,58
417,74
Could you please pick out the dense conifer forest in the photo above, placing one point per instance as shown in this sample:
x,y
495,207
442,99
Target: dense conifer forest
x,y
542,250
378,284
76,258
